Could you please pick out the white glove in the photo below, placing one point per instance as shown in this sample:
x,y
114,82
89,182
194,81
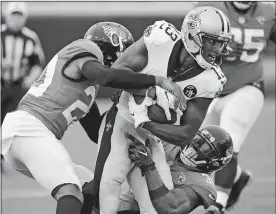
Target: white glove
x,y
167,100
139,113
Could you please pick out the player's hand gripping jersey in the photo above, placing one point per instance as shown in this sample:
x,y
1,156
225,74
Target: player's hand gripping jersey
x,y
163,42
59,100
250,35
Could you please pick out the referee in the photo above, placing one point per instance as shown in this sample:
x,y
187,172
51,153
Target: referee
x,y
22,57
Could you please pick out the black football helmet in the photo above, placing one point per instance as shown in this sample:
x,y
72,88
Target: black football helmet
x,y
112,38
210,150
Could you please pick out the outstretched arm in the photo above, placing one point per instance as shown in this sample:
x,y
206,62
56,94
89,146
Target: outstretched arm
x,y
191,121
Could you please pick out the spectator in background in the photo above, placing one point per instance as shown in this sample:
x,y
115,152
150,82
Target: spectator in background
x,y
22,57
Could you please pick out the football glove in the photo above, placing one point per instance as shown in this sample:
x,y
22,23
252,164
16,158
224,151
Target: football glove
x,y
167,100
173,88
139,112
140,154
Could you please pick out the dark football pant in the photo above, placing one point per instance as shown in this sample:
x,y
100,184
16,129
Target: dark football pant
x,y
10,98
91,189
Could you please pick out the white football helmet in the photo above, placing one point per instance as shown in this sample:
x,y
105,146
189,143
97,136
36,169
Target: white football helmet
x,y
206,23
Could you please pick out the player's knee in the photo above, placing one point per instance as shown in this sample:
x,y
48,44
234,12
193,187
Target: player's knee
x,y
67,189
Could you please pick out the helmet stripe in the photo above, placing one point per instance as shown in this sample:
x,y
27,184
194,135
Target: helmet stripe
x,y
224,25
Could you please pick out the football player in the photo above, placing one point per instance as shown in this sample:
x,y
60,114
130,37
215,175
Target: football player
x,y
64,93
191,58
210,150
242,98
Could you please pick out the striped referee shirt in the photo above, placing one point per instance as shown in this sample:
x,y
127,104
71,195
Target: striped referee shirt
x,y
21,51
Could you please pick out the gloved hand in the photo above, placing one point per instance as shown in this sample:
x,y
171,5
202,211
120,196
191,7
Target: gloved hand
x,y
173,88
139,112
140,153
167,100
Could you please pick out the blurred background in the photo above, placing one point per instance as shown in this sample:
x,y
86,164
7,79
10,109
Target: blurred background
x,y
59,23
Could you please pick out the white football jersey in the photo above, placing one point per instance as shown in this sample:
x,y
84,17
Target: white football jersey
x,y
160,40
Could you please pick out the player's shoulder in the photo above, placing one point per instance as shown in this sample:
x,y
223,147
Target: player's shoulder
x,y
266,10
195,87
82,46
160,33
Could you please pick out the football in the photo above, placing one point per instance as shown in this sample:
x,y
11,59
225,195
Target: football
x,y
156,112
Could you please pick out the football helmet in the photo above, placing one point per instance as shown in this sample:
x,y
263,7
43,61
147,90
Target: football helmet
x,y
112,38
206,24
210,150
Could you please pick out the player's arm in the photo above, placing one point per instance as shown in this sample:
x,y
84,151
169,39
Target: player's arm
x,y
123,73
134,58
91,122
190,122
176,201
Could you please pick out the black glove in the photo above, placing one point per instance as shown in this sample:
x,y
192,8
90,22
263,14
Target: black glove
x,y
140,154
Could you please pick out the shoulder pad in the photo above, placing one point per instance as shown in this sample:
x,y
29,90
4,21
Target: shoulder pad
x,y
83,45
158,33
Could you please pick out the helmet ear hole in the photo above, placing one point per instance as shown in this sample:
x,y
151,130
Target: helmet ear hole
x,y
190,36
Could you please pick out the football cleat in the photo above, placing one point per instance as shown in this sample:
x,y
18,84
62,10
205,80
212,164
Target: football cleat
x,y
215,209
242,182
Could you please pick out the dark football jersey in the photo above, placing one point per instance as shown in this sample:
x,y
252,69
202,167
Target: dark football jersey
x,y
251,31
58,100
201,183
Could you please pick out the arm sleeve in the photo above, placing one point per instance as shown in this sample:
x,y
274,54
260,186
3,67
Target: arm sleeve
x,y
91,123
207,197
116,78
177,201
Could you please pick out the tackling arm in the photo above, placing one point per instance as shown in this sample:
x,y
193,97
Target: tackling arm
x,y
176,201
191,121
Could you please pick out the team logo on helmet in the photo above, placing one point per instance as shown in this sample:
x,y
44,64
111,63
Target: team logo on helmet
x,y
116,36
190,91
147,32
194,20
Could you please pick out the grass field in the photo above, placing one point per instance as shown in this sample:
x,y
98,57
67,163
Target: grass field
x,y
21,195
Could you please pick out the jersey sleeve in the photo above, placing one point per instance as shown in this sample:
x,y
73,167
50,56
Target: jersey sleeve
x,y
179,200
81,48
208,195
160,33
